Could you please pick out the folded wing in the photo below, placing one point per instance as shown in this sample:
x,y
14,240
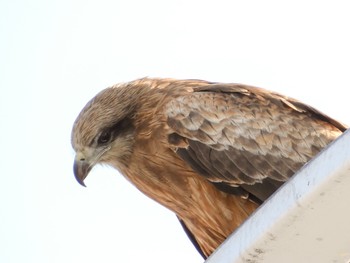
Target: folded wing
x,y
245,140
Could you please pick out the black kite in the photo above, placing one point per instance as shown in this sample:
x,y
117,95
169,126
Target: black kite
x,y
210,152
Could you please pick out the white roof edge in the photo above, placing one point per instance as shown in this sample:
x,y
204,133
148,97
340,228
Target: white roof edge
x,y
306,220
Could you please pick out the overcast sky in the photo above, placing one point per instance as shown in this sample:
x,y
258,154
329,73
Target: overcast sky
x,y
56,55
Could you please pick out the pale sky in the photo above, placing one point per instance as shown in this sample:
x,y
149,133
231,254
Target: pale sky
x,y
56,55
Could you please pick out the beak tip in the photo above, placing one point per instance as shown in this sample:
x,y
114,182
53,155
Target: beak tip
x,y
82,183
81,170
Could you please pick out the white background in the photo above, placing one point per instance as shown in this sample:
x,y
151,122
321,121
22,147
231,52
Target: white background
x,y
56,55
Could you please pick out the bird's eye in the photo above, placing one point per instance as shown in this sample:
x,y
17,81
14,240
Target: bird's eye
x,y
104,137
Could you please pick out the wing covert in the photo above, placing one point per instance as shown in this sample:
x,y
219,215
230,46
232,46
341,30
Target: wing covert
x,y
244,136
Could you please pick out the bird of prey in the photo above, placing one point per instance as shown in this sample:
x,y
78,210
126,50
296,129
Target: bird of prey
x,y
209,152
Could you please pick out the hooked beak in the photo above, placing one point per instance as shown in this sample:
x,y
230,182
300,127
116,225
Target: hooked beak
x,y
81,170
83,165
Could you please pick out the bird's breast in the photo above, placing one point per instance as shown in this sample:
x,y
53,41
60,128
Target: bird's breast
x,y
210,215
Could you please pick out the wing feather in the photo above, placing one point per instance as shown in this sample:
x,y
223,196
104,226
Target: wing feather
x,y
247,137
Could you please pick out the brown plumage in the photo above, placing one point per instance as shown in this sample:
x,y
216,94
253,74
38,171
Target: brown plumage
x,y
210,152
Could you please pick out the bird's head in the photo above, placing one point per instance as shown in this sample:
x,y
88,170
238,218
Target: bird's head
x,y
104,130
